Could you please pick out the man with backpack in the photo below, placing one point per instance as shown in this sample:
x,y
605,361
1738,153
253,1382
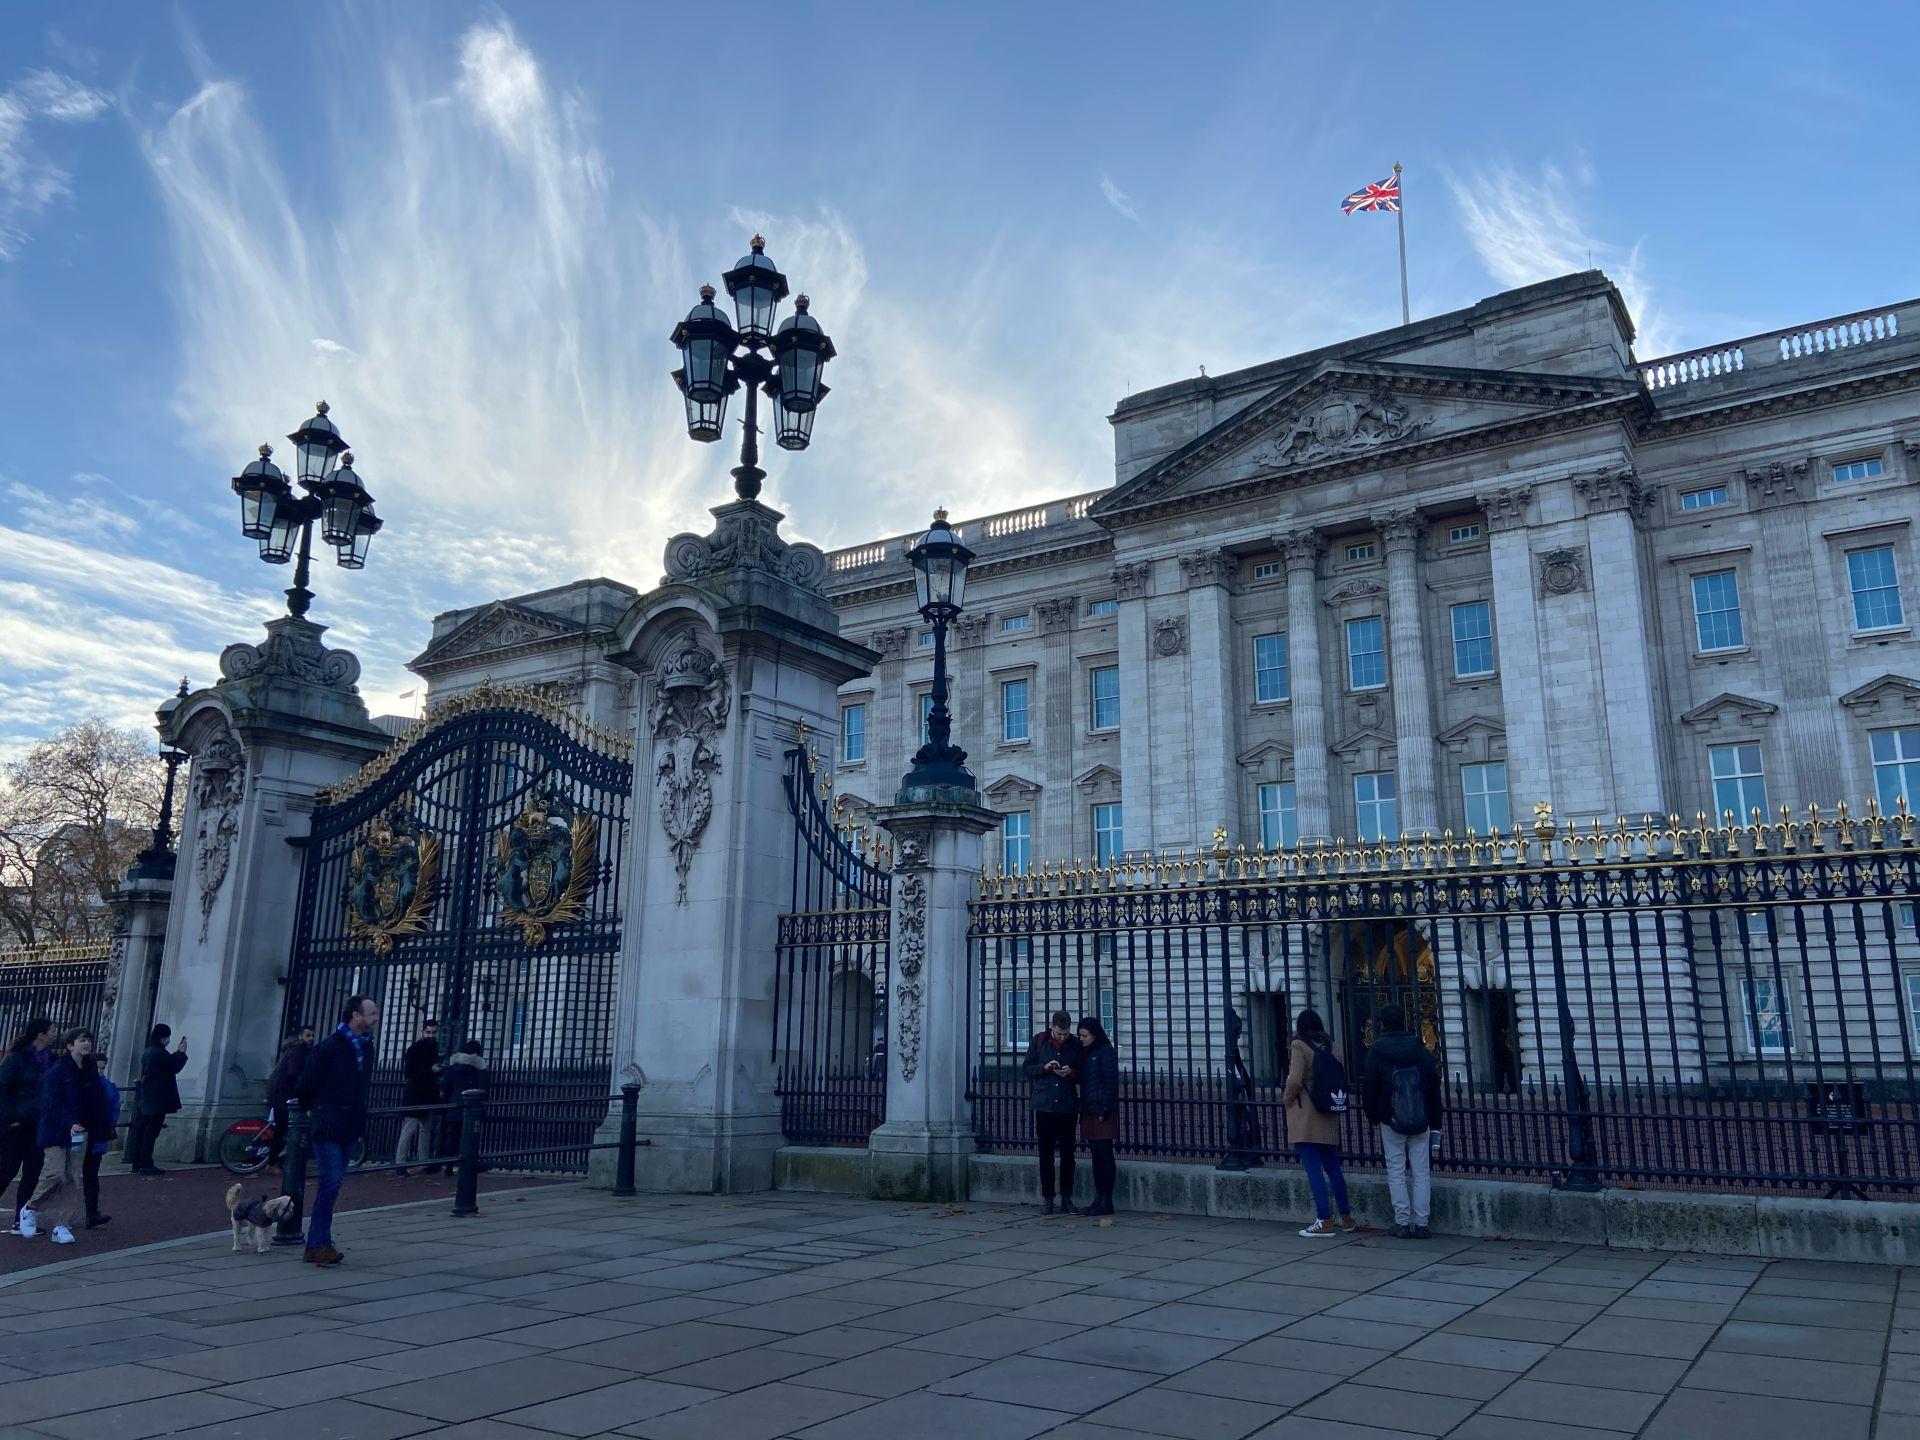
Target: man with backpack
x,y
1402,1095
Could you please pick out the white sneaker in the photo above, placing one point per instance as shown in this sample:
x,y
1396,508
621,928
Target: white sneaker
x,y
62,1235
28,1225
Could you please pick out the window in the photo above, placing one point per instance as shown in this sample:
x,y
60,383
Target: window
x,y
1103,696
1360,552
1716,610
1704,498
1279,820
853,734
926,716
1106,833
1376,806
1857,470
926,639
1484,788
1739,780
1103,1002
1876,589
1013,710
1016,841
1103,607
1472,639
1769,1031
1267,570
1016,1017
1366,654
1912,980
1462,534
1896,767
1017,622
1903,914
1269,668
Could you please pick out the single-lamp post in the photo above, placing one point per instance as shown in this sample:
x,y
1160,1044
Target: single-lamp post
x,y
939,561
281,519
719,356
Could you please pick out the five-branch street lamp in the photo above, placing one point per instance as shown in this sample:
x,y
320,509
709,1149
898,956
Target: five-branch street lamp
x,y
939,561
282,520
719,356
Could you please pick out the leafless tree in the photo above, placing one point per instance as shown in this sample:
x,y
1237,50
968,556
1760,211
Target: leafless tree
x,y
74,812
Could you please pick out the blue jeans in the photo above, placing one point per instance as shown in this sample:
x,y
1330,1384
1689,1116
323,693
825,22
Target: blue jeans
x,y
1322,1164
330,1170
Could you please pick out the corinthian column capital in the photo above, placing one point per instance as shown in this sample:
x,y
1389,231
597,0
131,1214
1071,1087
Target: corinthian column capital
x,y
1400,529
1302,548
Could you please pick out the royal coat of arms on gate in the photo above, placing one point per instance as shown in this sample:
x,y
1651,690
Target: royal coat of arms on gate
x,y
391,878
546,862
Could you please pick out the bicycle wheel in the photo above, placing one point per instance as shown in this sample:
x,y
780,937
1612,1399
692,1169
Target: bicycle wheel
x,y
357,1156
243,1149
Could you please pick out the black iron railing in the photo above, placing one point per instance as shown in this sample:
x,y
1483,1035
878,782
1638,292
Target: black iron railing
x,y
65,983
1726,1008
831,976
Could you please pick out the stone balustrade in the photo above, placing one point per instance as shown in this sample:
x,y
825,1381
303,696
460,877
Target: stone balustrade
x,y
1778,347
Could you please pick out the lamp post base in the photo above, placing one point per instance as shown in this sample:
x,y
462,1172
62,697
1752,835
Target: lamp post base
x,y
938,774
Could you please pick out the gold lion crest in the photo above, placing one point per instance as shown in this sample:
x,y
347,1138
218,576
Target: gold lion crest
x,y
392,876
547,860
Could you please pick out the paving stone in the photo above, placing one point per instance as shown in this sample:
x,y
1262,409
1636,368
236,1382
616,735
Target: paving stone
x,y
1264,1384
1796,1379
1465,1382
992,1338
763,1413
666,1310
328,1420
1698,1312
1793,1342
937,1417
670,1346
1363,1334
1506,1427
302,1387
886,1373
592,1412
1135,1288
250,1362
418,1363
1608,1370
1552,1403
97,1356
1087,1309
1477,1350
1356,1404
742,1369
163,1416
1075,1386
1512,1327
1673,1339
840,1342
1211,1320
470,1394
1798,1310
1294,1353
451,1322
1159,1352
1722,1415
1181,1413
1268,1298
1300,1427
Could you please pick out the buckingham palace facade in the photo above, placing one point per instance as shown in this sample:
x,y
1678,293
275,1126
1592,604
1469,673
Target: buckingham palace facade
x,y
1413,582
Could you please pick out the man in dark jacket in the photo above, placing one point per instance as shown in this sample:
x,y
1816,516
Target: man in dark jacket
x,y
1053,1061
467,1070
334,1088
159,1095
421,1067
283,1084
1402,1095
23,1077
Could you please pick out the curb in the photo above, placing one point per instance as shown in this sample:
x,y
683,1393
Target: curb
x,y
66,1267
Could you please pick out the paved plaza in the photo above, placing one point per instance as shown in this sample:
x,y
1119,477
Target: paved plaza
x,y
567,1312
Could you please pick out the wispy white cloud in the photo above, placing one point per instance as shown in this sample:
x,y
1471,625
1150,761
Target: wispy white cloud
x,y
29,181
1118,199
1527,228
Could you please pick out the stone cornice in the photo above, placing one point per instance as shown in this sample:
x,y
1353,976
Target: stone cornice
x,y
1031,560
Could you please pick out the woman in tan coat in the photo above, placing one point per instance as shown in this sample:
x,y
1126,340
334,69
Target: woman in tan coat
x,y
1314,1135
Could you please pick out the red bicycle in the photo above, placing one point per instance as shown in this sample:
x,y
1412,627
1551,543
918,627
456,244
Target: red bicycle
x,y
248,1145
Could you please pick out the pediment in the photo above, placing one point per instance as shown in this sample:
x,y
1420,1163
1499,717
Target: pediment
x,y
1891,696
1265,750
1097,775
1471,728
1367,738
1012,787
500,626
1348,415
1731,712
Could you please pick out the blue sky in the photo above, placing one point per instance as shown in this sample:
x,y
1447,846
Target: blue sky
x,y
471,228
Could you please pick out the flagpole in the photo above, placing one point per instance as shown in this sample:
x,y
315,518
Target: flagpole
x,y
1400,214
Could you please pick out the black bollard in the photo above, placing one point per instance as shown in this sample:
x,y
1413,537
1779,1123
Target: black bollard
x,y
629,1124
466,1188
293,1176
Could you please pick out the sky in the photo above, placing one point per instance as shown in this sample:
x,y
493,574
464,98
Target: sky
x,y
471,229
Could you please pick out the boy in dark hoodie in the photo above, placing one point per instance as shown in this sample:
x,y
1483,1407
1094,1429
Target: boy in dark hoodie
x,y
1402,1095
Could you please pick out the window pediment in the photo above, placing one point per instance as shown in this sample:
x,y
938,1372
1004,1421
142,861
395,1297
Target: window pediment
x,y
1727,711
1012,790
1889,698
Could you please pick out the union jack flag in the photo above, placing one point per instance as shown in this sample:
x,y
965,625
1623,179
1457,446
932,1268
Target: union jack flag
x,y
1384,195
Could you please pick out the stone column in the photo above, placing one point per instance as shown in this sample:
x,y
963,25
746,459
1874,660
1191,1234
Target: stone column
x,y
1517,627
1060,726
139,937
1400,532
889,726
284,722
737,645
1616,505
1211,713
1133,583
921,1152
1303,549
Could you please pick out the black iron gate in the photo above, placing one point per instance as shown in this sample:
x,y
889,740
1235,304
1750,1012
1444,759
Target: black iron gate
x,y
832,973
472,876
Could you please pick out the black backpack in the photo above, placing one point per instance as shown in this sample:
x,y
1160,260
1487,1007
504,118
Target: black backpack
x,y
1327,1084
1407,1094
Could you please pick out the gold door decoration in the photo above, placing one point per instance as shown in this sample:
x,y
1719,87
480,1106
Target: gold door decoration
x,y
546,863
1389,969
392,877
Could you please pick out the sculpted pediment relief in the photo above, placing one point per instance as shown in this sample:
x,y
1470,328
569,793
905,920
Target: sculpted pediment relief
x,y
499,627
1350,415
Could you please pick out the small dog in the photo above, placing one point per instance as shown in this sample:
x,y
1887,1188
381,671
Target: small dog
x,y
259,1215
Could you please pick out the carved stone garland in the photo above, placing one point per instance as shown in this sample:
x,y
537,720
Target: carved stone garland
x,y
292,649
747,538
219,780
911,948
688,712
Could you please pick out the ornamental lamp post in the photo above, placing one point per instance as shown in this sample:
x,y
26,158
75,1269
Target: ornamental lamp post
x,y
939,561
719,356
281,520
